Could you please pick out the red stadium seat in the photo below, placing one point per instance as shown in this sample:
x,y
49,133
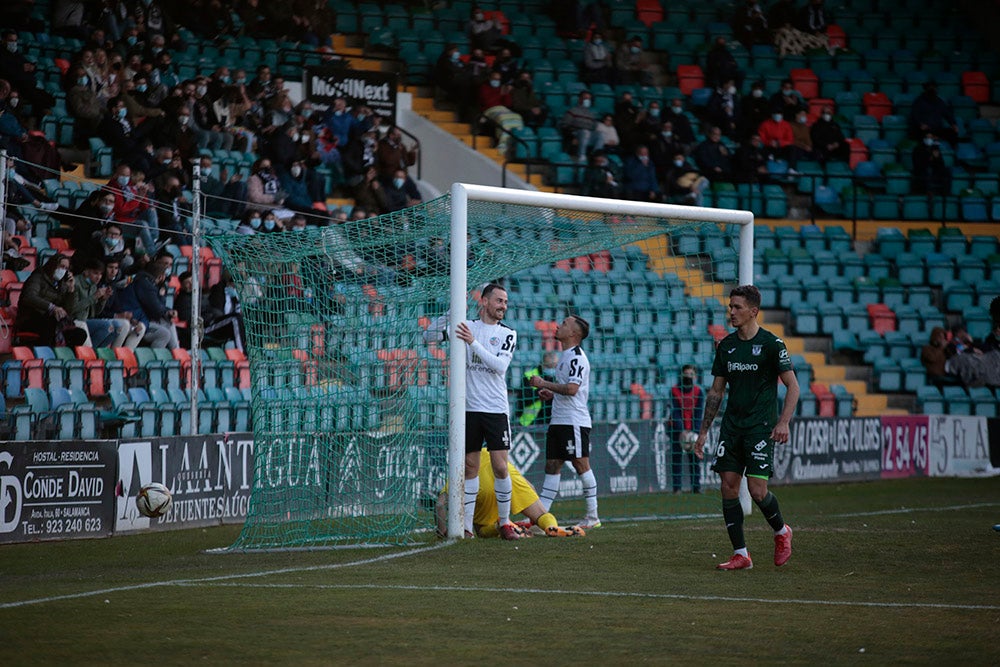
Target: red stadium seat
x,y
93,371
859,152
836,35
826,402
242,367
877,105
806,82
882,318
977,86
649,11
690,78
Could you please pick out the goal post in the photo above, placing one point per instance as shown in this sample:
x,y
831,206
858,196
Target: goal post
x,y
461,195
358,423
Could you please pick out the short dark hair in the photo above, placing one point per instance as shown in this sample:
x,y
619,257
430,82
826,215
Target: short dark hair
x,y
748,292
584,326
92,264
491,287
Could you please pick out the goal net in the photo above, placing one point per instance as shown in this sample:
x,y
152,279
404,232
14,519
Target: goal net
x,y
350,406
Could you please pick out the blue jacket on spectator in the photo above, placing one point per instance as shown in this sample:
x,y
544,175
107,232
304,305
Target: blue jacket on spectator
x,y
640,179
141,297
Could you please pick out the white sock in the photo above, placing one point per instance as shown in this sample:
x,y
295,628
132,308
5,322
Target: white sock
x,y
503,487
742,552
550,489
784,529
590,493
471,491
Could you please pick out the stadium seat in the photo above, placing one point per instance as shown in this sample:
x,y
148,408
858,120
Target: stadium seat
x,y
976,85
984,403
957,402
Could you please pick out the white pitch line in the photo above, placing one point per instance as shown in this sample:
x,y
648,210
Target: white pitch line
x,y
226,577
911,510
628,594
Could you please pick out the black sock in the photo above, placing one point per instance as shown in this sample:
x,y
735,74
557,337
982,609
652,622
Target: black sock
x,y
732,512
769,507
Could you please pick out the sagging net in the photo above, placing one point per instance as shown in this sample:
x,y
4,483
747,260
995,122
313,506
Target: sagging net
x,y
350,406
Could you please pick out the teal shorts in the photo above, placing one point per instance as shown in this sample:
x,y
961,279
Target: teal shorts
x,y
748,453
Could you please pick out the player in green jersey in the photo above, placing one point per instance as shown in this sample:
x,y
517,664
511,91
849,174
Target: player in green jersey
x,y
750,361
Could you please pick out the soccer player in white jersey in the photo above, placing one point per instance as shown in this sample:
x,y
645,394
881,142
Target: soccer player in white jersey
x,y
568,437
490,346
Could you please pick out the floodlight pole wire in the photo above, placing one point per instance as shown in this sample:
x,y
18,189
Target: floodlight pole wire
x,y
5,331
194,323
456,383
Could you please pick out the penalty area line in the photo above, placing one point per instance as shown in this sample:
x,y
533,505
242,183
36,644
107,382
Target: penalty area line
x,y
224,578
621,594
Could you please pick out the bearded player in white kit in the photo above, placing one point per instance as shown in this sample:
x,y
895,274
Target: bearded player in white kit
x,y
490,346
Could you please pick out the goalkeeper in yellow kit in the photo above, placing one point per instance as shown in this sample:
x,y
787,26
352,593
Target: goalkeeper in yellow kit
x,y
524,500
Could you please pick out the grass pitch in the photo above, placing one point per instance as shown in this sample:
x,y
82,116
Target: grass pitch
x,y
886,572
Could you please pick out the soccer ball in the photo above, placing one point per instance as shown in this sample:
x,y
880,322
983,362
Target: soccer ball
x,y
153,500
688,438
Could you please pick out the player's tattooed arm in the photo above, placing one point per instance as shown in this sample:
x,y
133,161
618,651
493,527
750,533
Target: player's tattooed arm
x,y
712,403
713,400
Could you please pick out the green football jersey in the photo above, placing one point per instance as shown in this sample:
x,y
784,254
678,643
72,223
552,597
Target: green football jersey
x,y
751,368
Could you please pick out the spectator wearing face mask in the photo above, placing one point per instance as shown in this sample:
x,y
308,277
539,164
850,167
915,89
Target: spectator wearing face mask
x,y
683,182
776,133
358,156
203,117
250,224
578,124
630,67
598,61
828,139
225,194
525,101
370,195
713,157
401,192
664,148
133,207
788,101
754,110
173,209
601,179
263,188
681,123
296,183
802,146
483,33
454,78
223,312
83,104
724,110
108,246
639,174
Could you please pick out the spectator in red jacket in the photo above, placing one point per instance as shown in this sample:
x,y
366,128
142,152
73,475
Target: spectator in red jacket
x,y
133,208
776,133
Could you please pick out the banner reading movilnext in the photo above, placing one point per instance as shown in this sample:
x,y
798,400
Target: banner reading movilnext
x,y
376,90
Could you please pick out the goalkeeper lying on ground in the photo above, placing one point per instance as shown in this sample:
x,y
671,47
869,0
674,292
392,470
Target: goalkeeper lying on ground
x,y
524,500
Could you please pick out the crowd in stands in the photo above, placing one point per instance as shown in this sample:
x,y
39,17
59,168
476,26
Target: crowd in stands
x,y
956,358
111,286
765,133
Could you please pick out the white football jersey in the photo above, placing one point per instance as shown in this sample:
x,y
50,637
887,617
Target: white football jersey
x,y
573,368
485,388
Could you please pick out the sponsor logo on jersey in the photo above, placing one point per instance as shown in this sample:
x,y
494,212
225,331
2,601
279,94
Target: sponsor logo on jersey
x,y
755,351
739,366
730,350
783,354
760,445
